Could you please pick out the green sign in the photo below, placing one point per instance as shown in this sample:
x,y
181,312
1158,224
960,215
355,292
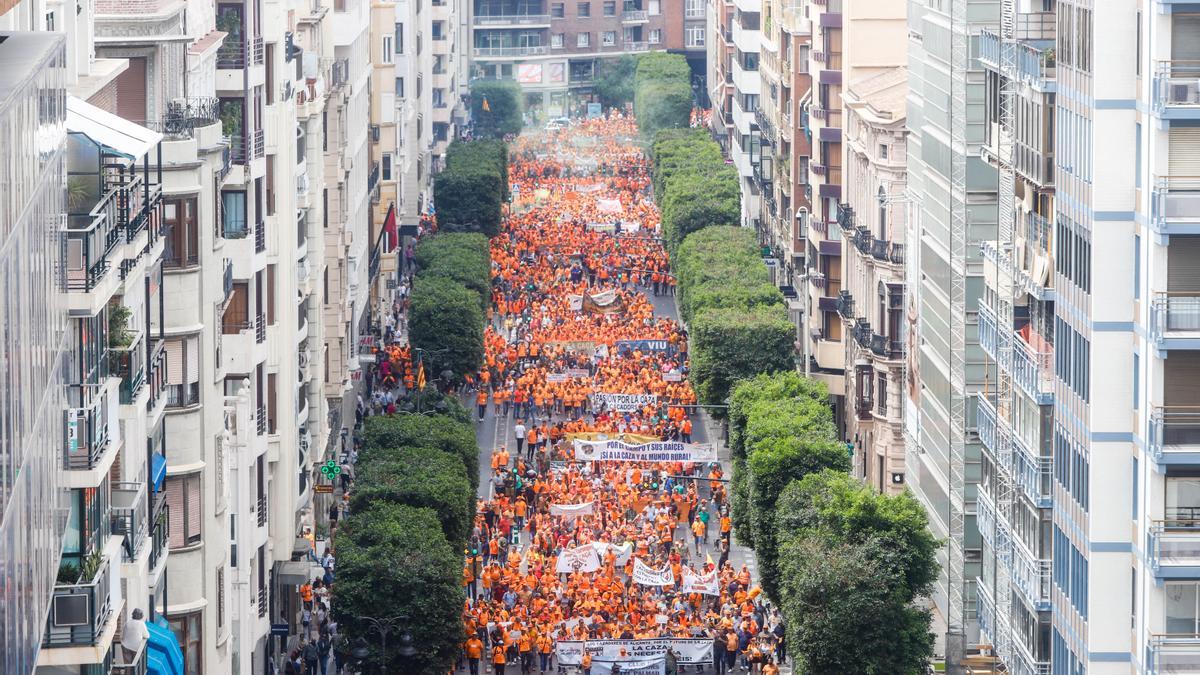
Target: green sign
x,y
330,469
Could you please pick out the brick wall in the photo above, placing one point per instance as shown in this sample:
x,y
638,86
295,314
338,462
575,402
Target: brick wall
x,y
128,6
106,98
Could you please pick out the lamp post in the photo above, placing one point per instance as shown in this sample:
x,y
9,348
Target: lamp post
x,y
384,627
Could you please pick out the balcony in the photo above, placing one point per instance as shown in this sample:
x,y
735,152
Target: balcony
x,y
513,20
373,183
261,509
159,530
1175,205
896,254
157,373
90,238
260,236
87,437
1032,472
891,350
845,305
1173,653
863,240
879,249
80,612
1031,576
184,115
1033,365
507,52
128,362
635,16
1175,320
635,46
1177,90
1173,548
1033,59
129,518
1174,438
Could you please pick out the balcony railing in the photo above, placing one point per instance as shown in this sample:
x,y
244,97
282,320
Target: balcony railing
x,y
1033,367
262,601
260,236
160,529
498,52
80,612
845,305
129,518
886,348
262,510
1175,312
129,364
1032,471
90,239
233,54
158,372
635,46
260,420
879,249
896,255
635,16
497,20
87,433
184,115
1174,434
1034,60
1031,576
1175,198
1174,543
1174,653
1177,85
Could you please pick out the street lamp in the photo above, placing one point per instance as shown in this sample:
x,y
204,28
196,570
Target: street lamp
x,y
384,627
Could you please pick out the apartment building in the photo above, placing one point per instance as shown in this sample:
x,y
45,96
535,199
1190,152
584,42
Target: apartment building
x,y
872,300
553,47
952,190
718,70
780,161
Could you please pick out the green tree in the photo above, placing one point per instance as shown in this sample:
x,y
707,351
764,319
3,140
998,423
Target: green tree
x,y
767,387
461,256
482,152
393,560
731,344
614,81
424,477
446,321
846,613
662,92
450,434
469,199
504,113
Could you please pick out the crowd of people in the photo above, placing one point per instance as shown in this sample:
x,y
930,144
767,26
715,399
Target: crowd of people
x,y
573,320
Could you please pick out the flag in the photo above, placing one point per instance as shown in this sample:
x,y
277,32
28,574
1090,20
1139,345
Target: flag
x,y
709,560
420,374
392,237
485,107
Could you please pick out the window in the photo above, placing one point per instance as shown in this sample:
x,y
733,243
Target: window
x,y
1137,397
187,629
583,9
399,39
583,39
220,597
749,60
1137,267
749,102
654,8
182,243
1181,609
883,151
695,36
184,502
608,38
655,36
610,8
183,371
694,9
438,30
556,40
386,166
233,208
399,87
388,50
558,10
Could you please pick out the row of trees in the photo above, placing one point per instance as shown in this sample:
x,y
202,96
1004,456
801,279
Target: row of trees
x,y
470,192
449,302
845,564
736,316
662,92
399,550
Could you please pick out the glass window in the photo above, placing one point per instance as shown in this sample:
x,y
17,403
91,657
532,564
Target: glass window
x,y
181,246
187,629
556,40
1180,608
610,9
558,10
655,36
1183,500
583,39
185,512
233,203
386,166
388,51
583,9
608,38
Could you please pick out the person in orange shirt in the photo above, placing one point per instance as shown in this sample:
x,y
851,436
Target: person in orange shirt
x,y
481,400
726,525
499,659
698,533
474,650
545,647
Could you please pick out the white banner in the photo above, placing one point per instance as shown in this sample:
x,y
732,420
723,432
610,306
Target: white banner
x,y
658,451
623,402
601,299
608,205
673,376
648,576
656,666
690,651
571,510
705,584
554,378
623,551
579,559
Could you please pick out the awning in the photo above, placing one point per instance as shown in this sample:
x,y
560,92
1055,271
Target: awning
x,y
158,470
296,572
118,135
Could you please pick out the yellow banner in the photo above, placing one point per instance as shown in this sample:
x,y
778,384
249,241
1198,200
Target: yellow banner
x,y
602,436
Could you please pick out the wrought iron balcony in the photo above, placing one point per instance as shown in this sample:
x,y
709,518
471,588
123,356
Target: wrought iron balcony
x,y
845,305
157,376
886,348
129,518
862,333
87,427
184,115
128,362
879,249
635,16
90,238
896,255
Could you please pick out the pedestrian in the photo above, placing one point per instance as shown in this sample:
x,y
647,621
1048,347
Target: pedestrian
x,y
324,647
312,656
499,659
474,650
519,431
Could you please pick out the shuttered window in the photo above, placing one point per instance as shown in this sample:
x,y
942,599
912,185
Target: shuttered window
x,y
184,501
1183,264
1185,39
1181,376
1184,158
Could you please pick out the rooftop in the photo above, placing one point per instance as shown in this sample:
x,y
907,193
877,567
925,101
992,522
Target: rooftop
x,y
880,97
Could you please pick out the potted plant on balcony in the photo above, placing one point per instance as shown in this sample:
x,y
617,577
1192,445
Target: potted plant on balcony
x,y
68,573
119,334
91,567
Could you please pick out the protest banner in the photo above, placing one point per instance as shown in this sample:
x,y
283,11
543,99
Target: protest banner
x,y
622,402
584,347
579,559
556,377
622,552
608,205
633,439
673,376
571,510
705,584
577,372
690,651
644,346
658,451
649,576
657,666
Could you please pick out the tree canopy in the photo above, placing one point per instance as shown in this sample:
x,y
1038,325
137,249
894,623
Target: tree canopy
x,y
504,108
